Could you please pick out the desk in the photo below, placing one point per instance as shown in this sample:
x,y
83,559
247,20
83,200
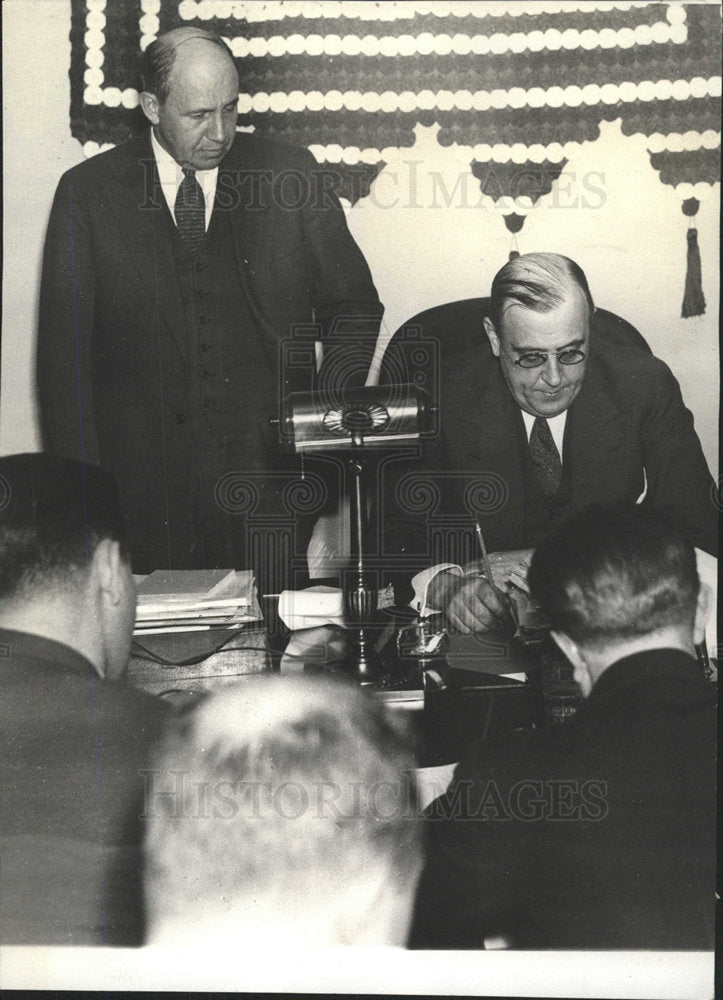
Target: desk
x,y
223,658
478,701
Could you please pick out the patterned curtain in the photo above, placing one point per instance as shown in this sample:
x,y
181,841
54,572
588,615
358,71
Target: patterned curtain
x,y
515,87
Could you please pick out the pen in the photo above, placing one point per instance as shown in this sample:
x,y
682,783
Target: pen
x,y
485,557
504,598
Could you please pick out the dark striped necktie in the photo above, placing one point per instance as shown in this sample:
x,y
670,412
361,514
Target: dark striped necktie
x,y
545,458
190,211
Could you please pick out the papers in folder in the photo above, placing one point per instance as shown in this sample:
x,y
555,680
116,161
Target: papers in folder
x,y
195,600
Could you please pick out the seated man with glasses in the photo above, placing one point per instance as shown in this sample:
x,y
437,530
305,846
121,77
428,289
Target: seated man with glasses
x,y
540,420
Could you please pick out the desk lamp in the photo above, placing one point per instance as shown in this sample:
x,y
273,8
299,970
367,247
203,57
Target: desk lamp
x,y
354,421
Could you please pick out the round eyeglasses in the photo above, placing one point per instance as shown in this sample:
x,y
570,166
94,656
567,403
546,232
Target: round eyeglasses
x,y
534,359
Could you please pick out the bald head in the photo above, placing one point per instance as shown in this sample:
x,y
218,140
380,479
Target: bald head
x,y
160,56
190,92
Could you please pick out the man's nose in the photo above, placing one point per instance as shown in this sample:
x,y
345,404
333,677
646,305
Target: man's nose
x,y
215,130
551,370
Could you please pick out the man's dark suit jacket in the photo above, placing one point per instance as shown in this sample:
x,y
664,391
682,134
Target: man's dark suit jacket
x,y
627,433
114,362
599,834
72,749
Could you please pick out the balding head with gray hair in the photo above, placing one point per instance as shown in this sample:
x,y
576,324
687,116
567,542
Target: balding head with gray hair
x,y
284,808
538,281
158,59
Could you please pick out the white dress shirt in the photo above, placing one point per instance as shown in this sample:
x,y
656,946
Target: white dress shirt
x,y
170,175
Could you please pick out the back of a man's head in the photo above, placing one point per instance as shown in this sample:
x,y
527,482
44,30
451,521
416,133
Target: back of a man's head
x,y
617,575
283,809
53,513
65,574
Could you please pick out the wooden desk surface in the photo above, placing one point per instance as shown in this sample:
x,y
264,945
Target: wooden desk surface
x,y
222,657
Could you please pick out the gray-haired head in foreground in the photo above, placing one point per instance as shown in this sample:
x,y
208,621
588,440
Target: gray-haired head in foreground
x,y
284,805
612,573
537,281
158,59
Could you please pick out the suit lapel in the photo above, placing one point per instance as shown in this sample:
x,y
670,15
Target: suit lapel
x,y
141,214
488,427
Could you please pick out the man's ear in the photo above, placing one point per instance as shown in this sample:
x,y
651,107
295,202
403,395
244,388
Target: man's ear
x,y
572,651
149,106
492,336
107,570
569,648
702,611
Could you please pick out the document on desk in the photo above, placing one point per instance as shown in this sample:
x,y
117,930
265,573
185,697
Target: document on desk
x,y
168,602
173,586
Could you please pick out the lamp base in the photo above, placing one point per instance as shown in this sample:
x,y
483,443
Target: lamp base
x,y
362,660
360,605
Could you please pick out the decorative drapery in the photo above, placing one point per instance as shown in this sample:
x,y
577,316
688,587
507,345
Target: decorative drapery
x,y
514,87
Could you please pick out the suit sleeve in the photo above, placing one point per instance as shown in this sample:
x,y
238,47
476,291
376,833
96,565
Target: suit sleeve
x,y
67,293
346,303
678,481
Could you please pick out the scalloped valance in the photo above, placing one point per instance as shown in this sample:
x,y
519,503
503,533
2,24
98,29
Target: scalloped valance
x,y
519,86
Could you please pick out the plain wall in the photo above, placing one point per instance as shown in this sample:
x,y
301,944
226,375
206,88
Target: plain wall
x,y
37,148
425,241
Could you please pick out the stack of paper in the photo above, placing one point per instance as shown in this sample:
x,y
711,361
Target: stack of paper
x,y
195,600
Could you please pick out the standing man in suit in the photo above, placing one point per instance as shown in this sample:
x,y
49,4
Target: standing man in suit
x,y
74,740
599,833
537,420
176,266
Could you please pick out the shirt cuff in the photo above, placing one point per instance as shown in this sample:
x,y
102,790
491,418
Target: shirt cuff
x,y
421,583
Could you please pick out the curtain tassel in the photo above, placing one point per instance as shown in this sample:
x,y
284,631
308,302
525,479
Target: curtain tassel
x,y
693,298
514,224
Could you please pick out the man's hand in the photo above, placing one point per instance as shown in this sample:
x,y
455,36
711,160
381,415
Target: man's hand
x,y
470,603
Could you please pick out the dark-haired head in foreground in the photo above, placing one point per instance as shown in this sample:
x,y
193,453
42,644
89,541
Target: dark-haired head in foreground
x,y
64,568
617,580
73,744
282,810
